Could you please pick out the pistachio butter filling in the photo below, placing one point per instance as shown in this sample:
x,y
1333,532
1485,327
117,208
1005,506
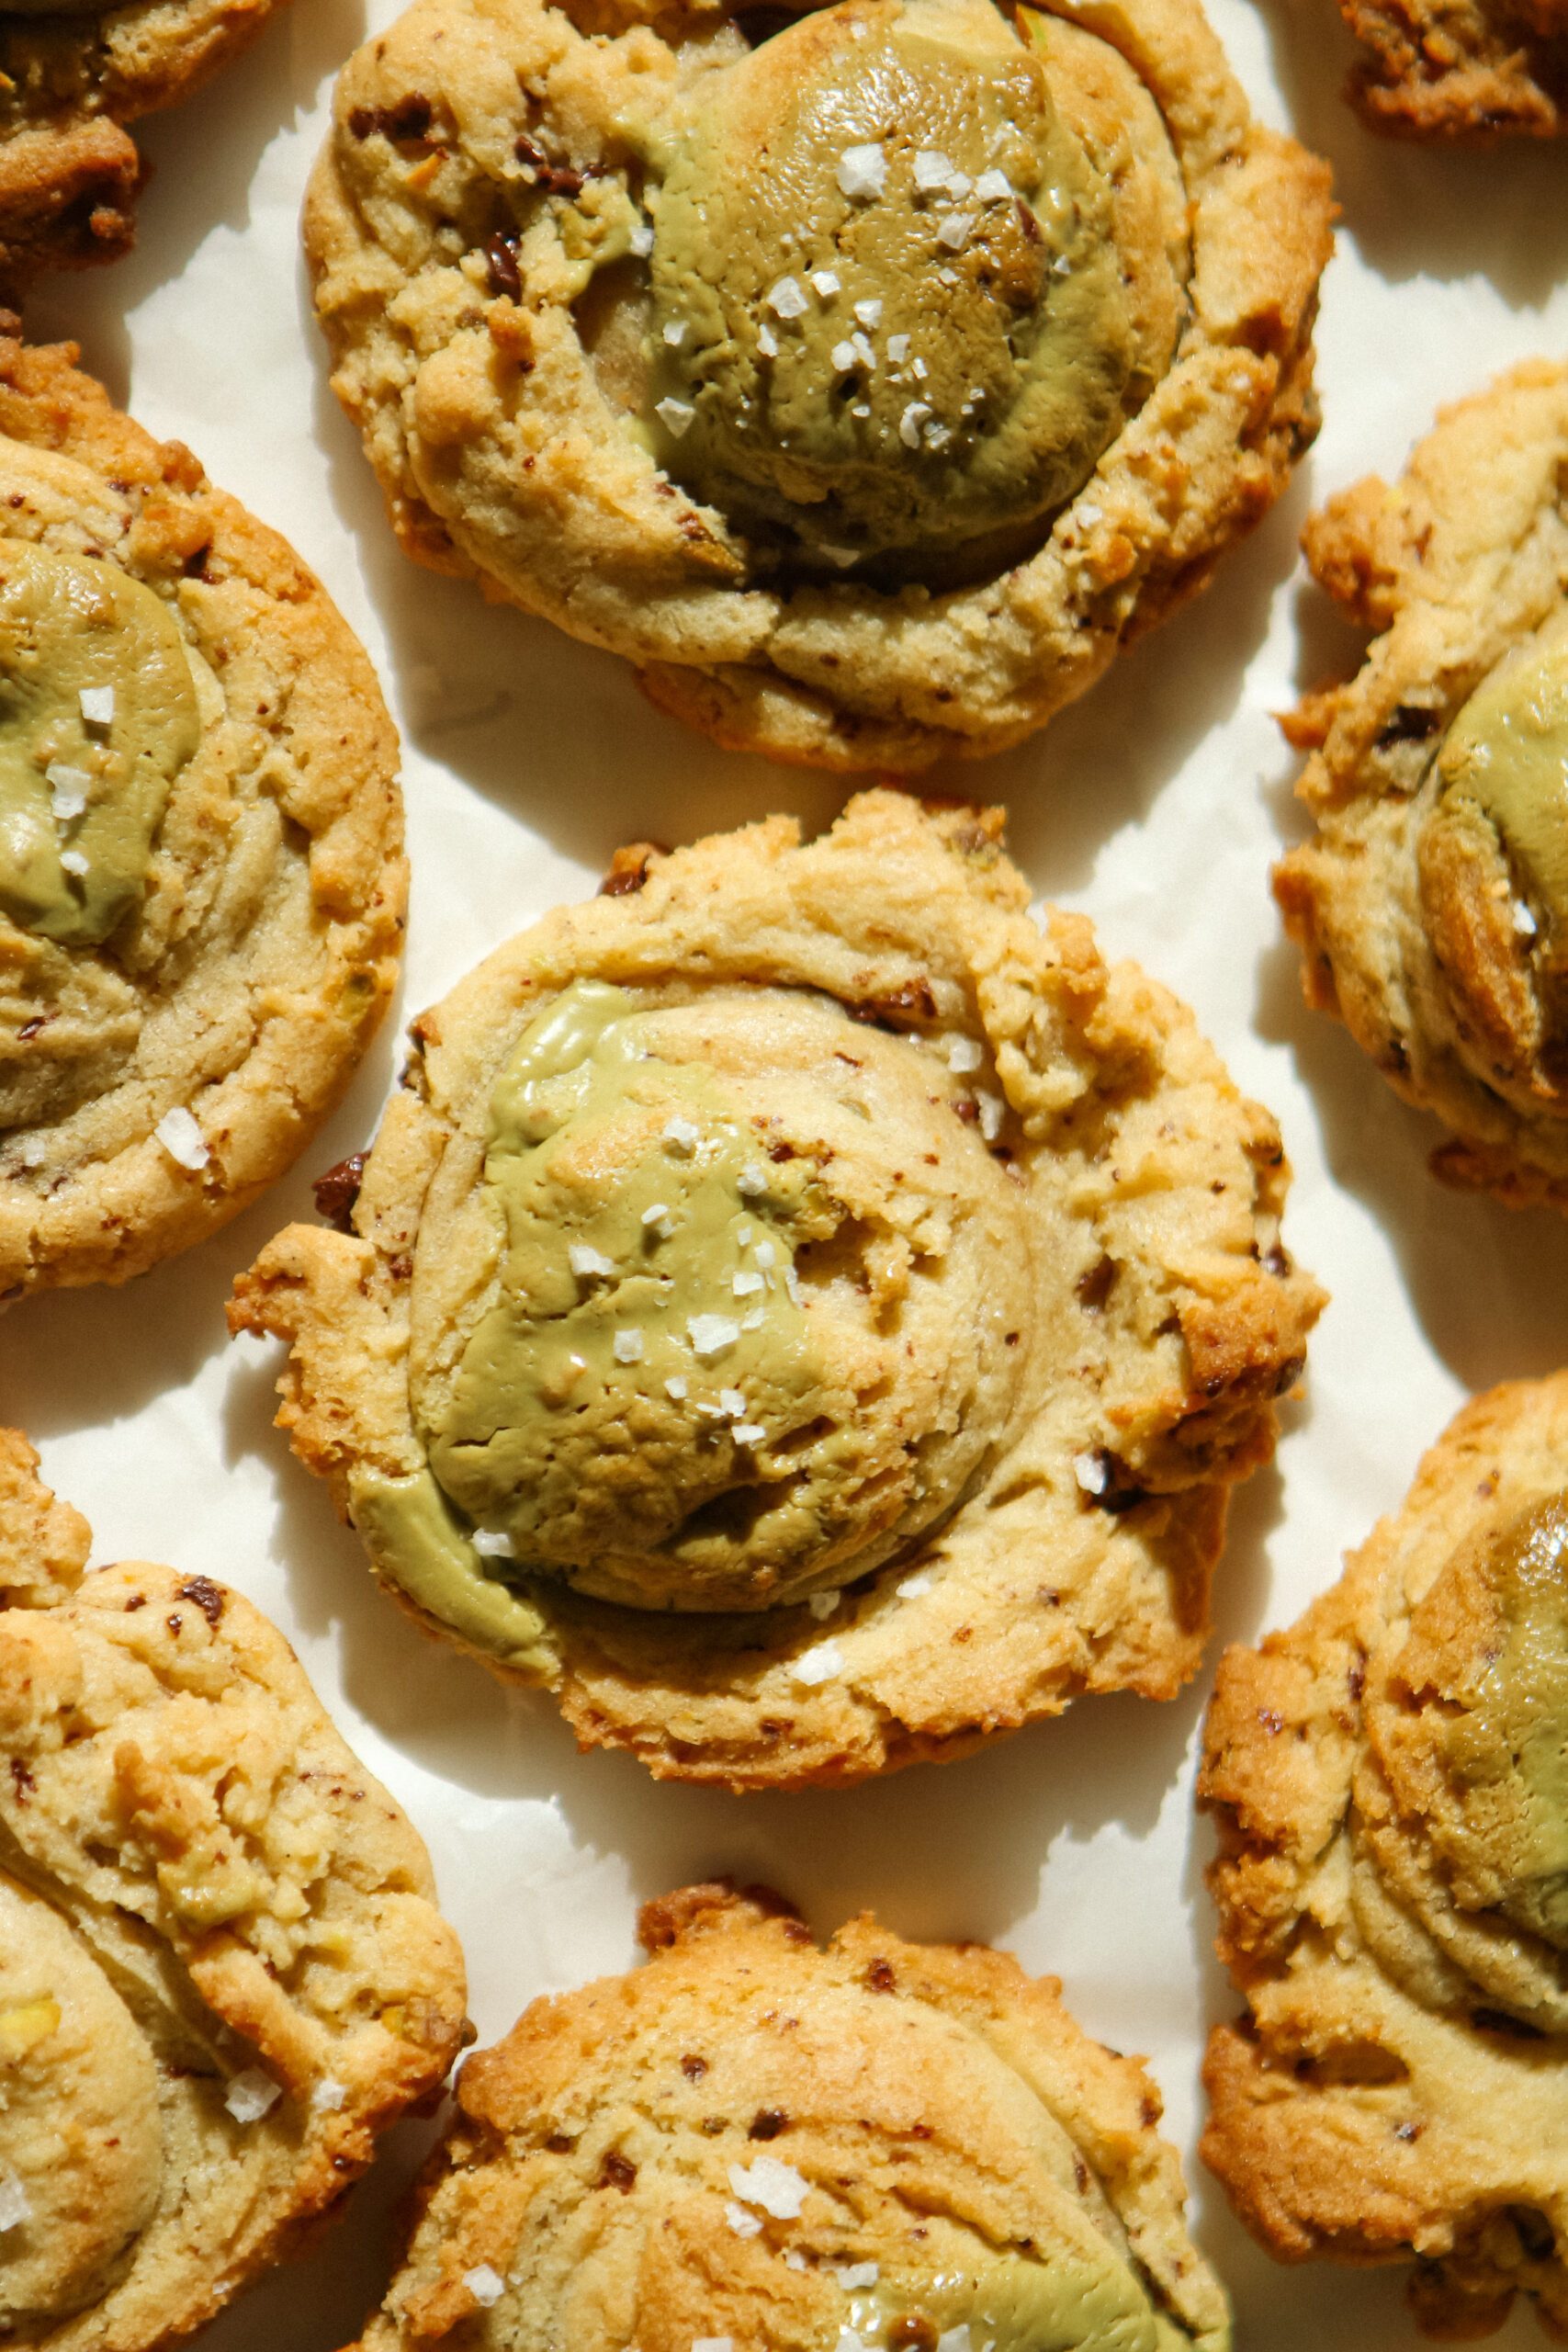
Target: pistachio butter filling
x,y
1071,2299
1501,1732
97,717
890,315
1506,759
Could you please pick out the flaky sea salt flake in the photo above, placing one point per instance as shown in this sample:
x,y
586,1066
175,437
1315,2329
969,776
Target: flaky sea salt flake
x,y
843,357
863,349
659,1211
869,313
932,170
744,2224
683,1135
492,1543
819,1665
1091,1472
1524,922
182,1139
627,1347
74,862
897,349
916,1587
97,706
16,2206
777,2188
485,2284
641,238
862,171
752,1181
734,1403
826,283
329,2096
993,187
68,789
910,424
251,2096
954,231
858,2274
749,1432
993,1110
711,1334
767,341
786,299
586,1263
676,1388
964,1054
956,2339
676,415
675,332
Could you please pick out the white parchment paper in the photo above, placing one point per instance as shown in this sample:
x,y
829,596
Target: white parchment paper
x,y
1156,805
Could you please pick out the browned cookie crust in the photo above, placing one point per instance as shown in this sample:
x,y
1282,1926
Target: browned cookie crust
x,y
756,2143
70,81
243,989
1435,931
934,1428
222,1974
475,230
1468,70
1386,1781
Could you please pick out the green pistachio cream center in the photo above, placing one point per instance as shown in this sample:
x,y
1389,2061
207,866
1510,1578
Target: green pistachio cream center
x,y
737,1317
1505,758
1503,1739
97,717
1073,2299
890,316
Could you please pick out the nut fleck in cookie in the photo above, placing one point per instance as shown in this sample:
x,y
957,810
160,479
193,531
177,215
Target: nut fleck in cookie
x,y
754,2143
72,77
800,1312
201,872
866,376
1461,70
1389,1780
1432,903
222,1973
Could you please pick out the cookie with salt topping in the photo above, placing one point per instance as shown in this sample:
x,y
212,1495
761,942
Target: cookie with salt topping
x,y
202,872
1432,901
755,2143
222,1973
799,1311
1387,1776
868,375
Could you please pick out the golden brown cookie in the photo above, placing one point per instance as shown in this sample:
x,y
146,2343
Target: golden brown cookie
x,y
72,77
800,1312
1466,71
867,377
1431,905
222,1974
201,872
1391,1795
754,2143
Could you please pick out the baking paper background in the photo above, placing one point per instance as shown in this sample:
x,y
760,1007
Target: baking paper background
x,y
1156,805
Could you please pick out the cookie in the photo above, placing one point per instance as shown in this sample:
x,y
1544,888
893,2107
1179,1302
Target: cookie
x,y
222,1974
867,377
71,78
798,1311
202,872
1386,1778
754,2143
1467,71
1431,903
